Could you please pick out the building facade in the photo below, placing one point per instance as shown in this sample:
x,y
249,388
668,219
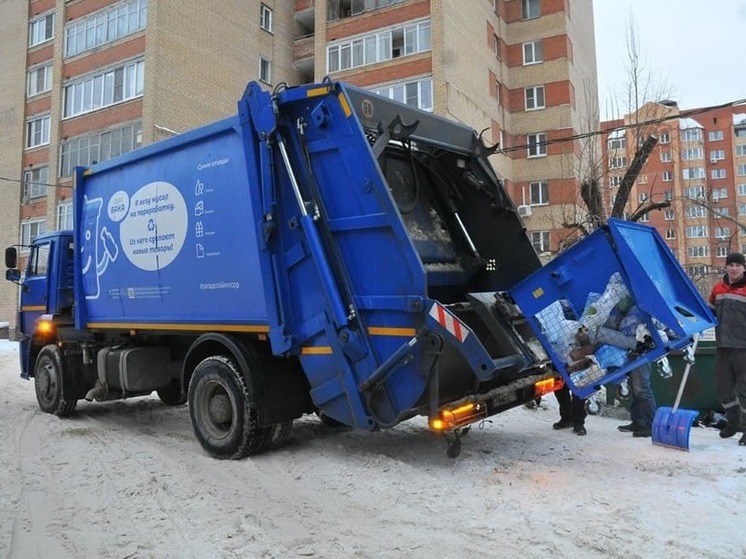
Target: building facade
x,y
698,167
92,79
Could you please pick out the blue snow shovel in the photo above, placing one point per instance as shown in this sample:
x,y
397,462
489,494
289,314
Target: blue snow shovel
x,y
671,426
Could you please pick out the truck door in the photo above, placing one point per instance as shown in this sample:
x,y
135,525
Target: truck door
x,y
35,290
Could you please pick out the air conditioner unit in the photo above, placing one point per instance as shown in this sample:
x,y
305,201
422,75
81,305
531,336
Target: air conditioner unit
x,y
524,210
713,159
715,198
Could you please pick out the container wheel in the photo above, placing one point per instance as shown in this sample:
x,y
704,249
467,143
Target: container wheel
x,y
592,406
220,407
48,383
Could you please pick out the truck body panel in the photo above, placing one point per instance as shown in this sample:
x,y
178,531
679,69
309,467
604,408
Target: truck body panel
x,y
158,237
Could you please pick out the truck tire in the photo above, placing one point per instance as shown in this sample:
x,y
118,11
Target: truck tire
x,y
220,407
48,383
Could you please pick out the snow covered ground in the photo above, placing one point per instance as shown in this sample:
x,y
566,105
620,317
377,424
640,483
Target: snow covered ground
x,y
128,480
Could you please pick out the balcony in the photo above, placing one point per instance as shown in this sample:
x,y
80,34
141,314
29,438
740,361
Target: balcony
x,y
305,14
340,9
303,56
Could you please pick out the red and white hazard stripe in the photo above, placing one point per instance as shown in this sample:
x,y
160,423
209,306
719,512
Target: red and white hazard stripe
x,y
449,322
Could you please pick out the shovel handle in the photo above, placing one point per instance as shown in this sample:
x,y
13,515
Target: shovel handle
x,y
685,376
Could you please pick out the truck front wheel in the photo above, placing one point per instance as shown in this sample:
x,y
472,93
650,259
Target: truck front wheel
x,y
48,383
221,409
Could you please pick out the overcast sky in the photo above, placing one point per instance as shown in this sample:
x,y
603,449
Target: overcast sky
x,y
696,47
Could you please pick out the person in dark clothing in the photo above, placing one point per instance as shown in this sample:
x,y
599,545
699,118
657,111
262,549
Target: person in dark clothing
x,y
572,411
642,403
728,298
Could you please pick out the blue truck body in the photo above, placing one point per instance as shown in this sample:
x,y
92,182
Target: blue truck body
x,y
324,250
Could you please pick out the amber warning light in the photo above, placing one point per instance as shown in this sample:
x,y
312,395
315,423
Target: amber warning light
x,y
451,418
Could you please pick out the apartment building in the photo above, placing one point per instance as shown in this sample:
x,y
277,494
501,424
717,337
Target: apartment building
x,y
92,79
699,167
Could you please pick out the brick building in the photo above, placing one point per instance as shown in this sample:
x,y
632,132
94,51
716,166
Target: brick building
x,y
699,166
92,79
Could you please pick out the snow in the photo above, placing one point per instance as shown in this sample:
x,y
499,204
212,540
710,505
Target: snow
x,y
128,480
686,123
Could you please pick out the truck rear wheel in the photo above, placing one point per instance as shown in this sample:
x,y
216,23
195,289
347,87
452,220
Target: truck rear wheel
x,y
220,407
48,383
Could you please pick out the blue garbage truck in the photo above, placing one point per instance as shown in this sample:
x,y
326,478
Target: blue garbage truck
x,y
325,250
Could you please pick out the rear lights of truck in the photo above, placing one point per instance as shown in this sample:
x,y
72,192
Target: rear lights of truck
x,y
453,418
547,386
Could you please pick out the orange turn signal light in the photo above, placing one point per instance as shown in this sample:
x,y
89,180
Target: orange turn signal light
x,y
44,327
547,386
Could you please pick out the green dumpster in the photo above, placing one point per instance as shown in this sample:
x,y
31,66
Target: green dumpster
x,y
699,392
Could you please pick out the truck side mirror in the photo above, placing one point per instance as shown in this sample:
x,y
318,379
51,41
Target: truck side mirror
x,y
11,257
13,274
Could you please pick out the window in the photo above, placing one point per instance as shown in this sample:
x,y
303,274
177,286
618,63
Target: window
x,y
741,189
98,147
533,52
718,174
265,70
722,232
670,233
39,260
668,195
666,156
699,270
530,9
534,97
740,150
693,153
417,37
741,171
719,194
65,216
644,218
616,140
693,192
665,138
378,47
539,193
30,229
667,176
696,231
740,132
715,135
615,180
697,251
39,80
693,173
104,89
642,197
418,93
537,145
105,26
37,131
35,183
696,211
668,215
691,135
717,155
722,251
265,18
721,212
40,30
617,162
741,209
540,241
